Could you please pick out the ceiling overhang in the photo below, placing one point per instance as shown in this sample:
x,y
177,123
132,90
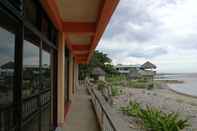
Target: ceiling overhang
x,y
83,23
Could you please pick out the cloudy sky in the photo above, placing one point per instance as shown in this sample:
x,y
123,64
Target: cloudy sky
x,y
161,31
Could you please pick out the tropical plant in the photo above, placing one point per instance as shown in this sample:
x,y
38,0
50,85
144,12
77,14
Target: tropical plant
x,y
133,109
99,59
154,119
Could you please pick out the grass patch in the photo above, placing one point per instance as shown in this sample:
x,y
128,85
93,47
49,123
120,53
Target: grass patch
x,y
115,91
154,119
140,84
116,78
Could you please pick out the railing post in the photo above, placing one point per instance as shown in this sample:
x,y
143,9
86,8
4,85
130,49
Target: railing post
x,y
106,116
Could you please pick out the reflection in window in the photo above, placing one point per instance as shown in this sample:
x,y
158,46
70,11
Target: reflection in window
x,y
7,45
7,63
45,119
30,69
46,70
46,85
32,125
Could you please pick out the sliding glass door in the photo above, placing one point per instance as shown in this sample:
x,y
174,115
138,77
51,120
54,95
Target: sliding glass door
x,y
46,89
27,77
8,40
37,84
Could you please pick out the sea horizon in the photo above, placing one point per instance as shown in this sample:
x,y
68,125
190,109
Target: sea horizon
x,y
189,85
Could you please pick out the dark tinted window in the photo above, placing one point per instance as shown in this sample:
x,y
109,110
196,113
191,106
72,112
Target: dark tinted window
x,y
46,89
7,45
46,70
32,125
53,34
30,69
16,3
31,11
31,79
45,25
7,66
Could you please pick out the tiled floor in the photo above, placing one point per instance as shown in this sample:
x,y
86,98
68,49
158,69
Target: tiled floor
x,y
81,116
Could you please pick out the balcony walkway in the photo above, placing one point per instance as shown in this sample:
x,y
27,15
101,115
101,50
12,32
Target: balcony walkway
x,y
81,116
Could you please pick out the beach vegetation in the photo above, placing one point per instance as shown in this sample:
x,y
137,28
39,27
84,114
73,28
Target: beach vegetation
x,y
154,119
115,90
143,84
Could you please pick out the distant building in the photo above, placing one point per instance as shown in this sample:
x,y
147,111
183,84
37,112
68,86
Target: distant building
x,y
147,70
136,71
126,69
7,69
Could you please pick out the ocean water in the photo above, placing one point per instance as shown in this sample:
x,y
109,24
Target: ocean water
x,y
189,86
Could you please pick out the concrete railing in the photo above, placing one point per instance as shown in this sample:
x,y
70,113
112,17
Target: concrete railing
x,y
108,118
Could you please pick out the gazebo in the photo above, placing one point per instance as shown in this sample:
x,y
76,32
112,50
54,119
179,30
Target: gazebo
x,y
148,65
98,74
147,71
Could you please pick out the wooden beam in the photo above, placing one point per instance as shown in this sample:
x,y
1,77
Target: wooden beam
x,y
79,27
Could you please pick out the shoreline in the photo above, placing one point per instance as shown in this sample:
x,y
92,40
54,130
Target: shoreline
x,y
166,85
181,93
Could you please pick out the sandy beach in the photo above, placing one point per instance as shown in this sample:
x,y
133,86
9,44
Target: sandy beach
x,y
162,98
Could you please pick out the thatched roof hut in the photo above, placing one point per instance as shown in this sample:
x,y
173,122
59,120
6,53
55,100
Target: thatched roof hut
x,y
148,65
98,72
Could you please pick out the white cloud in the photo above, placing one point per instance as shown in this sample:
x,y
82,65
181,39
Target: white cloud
x,y
162,31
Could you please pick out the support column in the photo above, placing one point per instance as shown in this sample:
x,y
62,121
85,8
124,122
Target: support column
x,y
60,95
76,76
70,76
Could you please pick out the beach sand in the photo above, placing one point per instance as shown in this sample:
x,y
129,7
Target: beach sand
x,y
164,99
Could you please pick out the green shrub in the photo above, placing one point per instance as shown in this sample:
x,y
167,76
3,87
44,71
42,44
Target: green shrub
x,y
150,85
142,80
115,91
154,119
137,84
141,84
133,109
116,78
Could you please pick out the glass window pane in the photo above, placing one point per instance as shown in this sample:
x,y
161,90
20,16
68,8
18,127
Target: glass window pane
x,y
46,70
46,96
7,45
30,11
7,65
45,118
32,125
30,69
